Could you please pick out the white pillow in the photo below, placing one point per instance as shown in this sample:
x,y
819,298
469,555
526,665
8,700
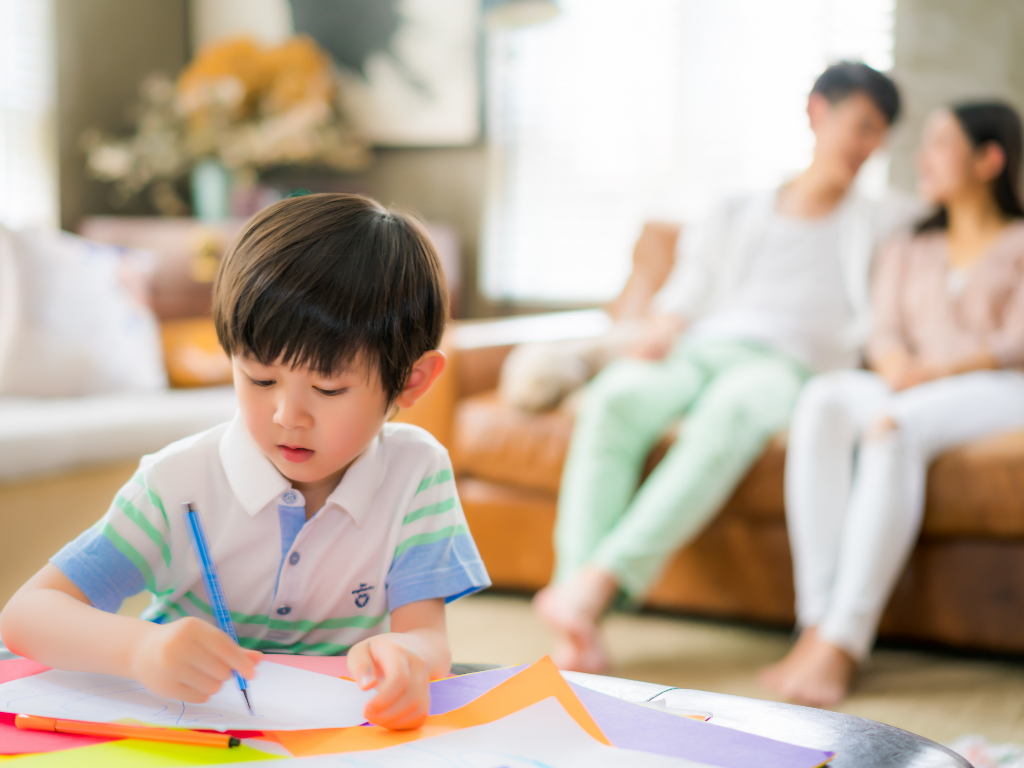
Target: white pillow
x,y
68,325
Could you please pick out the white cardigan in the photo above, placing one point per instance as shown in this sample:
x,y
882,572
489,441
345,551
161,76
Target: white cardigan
x,y
711,259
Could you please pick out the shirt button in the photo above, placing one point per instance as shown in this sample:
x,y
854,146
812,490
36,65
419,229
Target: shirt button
x,y
293,558
284,610
290,497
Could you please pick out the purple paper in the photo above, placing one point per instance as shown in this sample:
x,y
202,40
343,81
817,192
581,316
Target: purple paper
x,y
631,726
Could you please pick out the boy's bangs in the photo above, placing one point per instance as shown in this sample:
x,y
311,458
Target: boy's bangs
x,y
298,333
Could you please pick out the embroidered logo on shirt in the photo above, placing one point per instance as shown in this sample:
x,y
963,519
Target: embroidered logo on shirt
x,y
362,595
289,497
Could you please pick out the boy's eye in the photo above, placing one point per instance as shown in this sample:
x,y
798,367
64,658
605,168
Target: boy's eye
x,y
265,383
331,392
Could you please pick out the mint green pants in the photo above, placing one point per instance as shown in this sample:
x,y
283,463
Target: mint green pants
x,y
734,397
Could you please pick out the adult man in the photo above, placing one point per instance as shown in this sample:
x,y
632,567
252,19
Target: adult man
x,y
773,288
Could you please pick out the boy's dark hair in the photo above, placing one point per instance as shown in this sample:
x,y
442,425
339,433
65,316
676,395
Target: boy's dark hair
x,y
319,280
848,77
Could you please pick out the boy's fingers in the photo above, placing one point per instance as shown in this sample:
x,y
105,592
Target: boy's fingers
x,y
361,666
407,712
395,671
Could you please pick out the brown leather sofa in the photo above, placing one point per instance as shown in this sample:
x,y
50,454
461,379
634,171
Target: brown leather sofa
x,y
964,586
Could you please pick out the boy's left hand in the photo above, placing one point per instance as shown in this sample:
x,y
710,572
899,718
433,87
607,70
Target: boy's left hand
x,y
399,673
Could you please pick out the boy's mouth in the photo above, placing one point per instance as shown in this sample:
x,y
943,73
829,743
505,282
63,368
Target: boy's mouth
x,y
295,453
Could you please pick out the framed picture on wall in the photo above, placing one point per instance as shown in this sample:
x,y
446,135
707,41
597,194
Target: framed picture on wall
x,y
410,67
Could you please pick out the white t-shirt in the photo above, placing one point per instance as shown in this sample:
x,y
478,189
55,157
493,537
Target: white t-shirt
x,y
792,296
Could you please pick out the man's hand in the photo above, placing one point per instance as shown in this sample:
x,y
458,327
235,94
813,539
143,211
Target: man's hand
x,y
659,335
399,673
189,660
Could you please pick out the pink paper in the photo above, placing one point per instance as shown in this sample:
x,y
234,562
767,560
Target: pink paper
x,y
335,666
14,741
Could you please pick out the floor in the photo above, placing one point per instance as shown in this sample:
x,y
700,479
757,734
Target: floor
x,y
936,695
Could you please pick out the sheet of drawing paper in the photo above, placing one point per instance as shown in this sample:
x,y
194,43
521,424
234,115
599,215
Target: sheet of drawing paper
x,y
535,683
543,734
630,726
634,727
282,697
135,753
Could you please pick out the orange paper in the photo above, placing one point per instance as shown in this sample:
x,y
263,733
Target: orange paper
x,y
535,683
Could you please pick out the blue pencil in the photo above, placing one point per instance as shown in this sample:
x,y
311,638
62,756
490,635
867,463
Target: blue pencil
x,y
201,546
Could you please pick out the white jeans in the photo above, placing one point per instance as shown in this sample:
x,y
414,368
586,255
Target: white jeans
x,y
854,504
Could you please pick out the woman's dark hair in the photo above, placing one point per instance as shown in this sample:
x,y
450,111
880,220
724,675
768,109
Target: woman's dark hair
x,y
322,280
848,77
998,123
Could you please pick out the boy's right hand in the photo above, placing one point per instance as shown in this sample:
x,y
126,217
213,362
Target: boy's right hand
x,y
189,660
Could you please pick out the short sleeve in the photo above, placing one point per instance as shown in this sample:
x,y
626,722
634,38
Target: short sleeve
x,y
436,555
125,552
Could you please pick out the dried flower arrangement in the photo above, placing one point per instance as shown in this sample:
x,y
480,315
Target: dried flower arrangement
x,y
239,103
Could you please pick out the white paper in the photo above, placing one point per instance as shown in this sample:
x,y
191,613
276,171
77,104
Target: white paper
x,y
540,736
283,699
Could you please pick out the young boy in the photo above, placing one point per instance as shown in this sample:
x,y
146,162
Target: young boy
x,y
327,524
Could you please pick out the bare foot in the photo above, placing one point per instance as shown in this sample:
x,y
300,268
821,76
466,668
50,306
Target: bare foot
x,y
572,610
815,673
773,676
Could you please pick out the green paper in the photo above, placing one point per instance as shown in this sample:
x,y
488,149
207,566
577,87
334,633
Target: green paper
x,y
136,753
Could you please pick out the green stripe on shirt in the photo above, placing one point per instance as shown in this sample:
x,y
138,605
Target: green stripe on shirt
x,y
303,625
155,500
440,477
126,549
429,538
135,514
430,509
314,649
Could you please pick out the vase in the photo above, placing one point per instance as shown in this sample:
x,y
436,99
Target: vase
x,y
211,191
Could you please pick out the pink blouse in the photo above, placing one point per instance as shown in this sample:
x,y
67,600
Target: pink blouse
x,y
942,316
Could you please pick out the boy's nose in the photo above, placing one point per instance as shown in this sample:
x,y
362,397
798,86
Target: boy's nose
x,y
291,414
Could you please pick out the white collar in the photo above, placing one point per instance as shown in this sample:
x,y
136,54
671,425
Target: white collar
x,y
256,482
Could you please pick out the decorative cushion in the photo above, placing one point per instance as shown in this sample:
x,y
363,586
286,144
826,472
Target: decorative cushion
x,y
192,354
68,323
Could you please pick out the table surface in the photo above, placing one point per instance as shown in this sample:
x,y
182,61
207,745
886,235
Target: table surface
x,y
858,741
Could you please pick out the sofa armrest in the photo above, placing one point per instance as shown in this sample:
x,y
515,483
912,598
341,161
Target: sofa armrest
x,y
482,345
476,349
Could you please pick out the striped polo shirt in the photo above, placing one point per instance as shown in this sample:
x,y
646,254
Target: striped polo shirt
x,y
391,533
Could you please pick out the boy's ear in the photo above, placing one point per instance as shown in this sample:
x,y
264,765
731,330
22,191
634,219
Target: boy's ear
x,y
425,372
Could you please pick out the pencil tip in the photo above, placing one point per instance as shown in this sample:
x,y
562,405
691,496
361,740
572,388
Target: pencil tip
x,y
247,704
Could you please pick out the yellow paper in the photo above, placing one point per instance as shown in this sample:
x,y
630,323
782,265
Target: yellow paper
x,y
136,753
533,684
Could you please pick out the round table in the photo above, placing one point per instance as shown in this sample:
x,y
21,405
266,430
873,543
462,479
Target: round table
x,y
858,741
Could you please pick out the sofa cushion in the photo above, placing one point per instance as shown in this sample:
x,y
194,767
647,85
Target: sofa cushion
x,y
494,441
974,490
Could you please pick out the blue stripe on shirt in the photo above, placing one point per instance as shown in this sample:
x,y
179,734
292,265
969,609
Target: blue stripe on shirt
x,y
97,568
449,568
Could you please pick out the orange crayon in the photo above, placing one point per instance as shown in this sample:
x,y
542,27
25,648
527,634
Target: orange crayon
x,y
117,731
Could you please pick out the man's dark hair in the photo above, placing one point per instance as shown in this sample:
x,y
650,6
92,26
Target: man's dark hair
x,y
323,279
848,77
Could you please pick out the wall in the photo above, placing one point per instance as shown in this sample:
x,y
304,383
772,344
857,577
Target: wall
x,y
104,49
947,50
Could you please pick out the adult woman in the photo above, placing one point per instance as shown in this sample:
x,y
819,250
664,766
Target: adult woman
x,y
946,354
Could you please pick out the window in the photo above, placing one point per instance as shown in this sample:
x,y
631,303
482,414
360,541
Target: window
x,y
28,153
615,113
